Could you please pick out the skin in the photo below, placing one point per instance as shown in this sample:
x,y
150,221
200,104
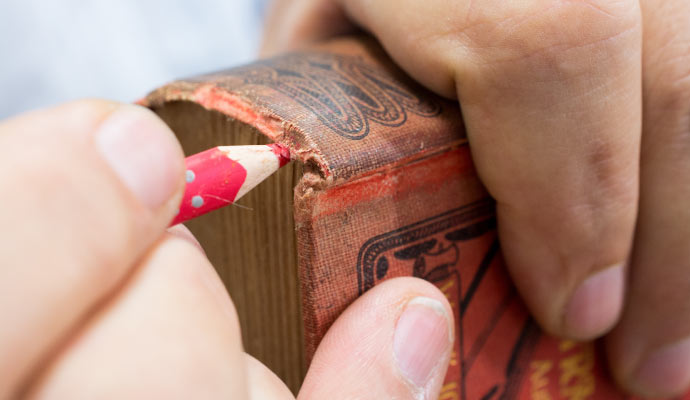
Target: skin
x,y
578,122
98,299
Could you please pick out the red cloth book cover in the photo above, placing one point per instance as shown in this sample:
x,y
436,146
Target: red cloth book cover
x,y
389,189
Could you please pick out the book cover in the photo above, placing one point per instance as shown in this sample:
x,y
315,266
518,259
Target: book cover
x,y
389,189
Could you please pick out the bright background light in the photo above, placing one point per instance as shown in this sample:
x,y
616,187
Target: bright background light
x,y
57,50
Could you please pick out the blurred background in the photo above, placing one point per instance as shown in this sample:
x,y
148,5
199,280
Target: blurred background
x,y
53,51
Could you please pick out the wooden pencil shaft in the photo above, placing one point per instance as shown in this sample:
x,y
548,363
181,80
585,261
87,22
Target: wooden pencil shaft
x,y
221,175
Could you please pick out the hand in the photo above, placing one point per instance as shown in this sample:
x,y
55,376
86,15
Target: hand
x,y
591,201
99,300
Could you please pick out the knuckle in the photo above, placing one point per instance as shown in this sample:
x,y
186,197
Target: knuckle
x,y
563,35
594,21
610,178
670,91
573,23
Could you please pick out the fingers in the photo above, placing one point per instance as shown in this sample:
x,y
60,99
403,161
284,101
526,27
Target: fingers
x,y
650,349
393,342
88,187
262,383
551,97
170,333
290,23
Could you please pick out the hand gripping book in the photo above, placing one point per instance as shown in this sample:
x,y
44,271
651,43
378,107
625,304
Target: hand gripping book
x,y
383,186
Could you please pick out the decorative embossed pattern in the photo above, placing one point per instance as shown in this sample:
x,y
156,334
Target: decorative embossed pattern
x,y
433,249
417,241
342,107
344,92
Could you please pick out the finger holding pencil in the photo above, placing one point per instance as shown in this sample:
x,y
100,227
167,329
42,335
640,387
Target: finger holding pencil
x,y
221,175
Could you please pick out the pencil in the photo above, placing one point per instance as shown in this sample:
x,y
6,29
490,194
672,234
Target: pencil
x,y
221,175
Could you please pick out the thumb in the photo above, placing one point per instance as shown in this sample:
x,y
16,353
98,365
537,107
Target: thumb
x,y
88,187
392,343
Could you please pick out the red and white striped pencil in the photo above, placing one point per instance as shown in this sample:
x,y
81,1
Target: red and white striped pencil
x,y
221,175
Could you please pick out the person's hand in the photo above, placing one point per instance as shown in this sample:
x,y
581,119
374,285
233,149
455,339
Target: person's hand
x,y
591,202
99,300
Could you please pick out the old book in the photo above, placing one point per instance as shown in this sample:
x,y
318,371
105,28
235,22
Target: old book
x,y
384,186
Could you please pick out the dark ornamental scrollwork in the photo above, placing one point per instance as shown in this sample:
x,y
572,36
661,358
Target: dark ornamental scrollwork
x,y
345,93
432,249
415,243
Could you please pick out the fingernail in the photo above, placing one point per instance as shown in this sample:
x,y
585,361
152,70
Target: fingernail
x,y
143,152
666,372
596,304
422,339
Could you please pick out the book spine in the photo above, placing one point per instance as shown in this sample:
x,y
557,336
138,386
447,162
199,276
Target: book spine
x,y
432,219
